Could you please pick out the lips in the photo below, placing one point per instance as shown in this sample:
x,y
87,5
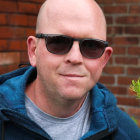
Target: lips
x,y
72,75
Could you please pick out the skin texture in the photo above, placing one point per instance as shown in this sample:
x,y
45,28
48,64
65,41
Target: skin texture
x,y
63,81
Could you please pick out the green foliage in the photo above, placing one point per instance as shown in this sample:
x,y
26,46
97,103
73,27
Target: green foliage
x,y
135,86
136,121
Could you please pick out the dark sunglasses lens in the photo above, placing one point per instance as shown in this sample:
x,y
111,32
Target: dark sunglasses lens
x,y
92,48
58,44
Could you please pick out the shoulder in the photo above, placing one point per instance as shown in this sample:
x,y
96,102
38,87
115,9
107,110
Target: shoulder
x,y
127,129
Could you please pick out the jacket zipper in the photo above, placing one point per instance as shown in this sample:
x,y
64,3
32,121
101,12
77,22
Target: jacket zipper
x,y
3,131
102,134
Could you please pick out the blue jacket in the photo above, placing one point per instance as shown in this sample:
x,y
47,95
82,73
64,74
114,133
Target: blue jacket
x,y
108,121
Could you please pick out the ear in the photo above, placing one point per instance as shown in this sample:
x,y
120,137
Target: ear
x,y
106,56
31,43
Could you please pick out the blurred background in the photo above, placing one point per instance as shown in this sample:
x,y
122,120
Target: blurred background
x,y
18,20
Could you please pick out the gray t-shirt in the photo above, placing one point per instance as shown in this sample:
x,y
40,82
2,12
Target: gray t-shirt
x,y
71,128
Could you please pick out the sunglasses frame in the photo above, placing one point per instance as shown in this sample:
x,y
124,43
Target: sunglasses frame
x,y
45,36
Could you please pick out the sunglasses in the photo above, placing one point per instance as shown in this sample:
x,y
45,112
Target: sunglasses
x,y
61,44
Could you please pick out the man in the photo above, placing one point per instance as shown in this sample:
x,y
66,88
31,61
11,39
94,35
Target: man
x,y
58,97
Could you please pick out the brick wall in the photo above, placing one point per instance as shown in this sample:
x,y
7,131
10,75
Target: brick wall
x,y
123,20
18,19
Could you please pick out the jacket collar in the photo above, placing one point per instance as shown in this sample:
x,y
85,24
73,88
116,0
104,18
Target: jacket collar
x,y
104,101
12,87
103,111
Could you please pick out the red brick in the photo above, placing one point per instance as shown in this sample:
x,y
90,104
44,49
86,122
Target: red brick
x,y
3,19
119,50
128,101
127,1
113,70
115,9
9,32
8,68
135,9
113,30
127,60
23,20
27,8
133,71
35,1
104,1
132,30
134,50
19,33
128,20
118,90
8,6
30,31
126,40
118,30
6,32
24,57
125,80
3,45
110,40
107,79
109,20
18,19
17,45
7,58
32,21
109,30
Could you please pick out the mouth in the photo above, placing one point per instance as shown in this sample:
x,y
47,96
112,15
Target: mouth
x,y
72,75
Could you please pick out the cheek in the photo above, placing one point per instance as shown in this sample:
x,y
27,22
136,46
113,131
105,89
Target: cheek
x,y
47,63
44,59
94,68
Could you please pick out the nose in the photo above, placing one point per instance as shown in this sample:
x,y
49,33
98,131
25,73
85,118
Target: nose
x,y
74,56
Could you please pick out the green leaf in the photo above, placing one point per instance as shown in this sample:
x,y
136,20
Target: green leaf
x,y
135,86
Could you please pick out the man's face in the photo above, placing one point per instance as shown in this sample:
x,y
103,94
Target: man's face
x,y
69,76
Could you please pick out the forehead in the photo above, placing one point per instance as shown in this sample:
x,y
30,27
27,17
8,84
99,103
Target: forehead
x,y
77,18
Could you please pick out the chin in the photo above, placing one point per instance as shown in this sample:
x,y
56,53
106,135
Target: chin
x,y
73,95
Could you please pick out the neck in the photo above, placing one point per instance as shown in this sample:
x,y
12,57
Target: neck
x,y
62,108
